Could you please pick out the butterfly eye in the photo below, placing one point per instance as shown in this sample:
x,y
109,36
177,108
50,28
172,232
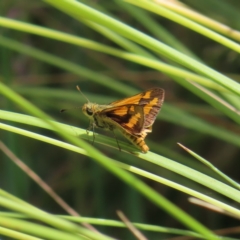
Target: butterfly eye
x,y
89,111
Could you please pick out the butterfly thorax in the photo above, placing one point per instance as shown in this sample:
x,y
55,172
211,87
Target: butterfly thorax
x,y
95,113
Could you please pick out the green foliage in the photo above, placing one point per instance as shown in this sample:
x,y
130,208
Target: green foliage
x,y
114,50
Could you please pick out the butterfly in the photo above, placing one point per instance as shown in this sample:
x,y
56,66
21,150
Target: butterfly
x,y
132,116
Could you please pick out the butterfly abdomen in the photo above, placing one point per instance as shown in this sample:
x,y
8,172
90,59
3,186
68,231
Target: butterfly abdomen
x,y
137,141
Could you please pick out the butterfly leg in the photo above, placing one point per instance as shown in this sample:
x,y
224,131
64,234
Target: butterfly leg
x,y
116,140
91,127
93,131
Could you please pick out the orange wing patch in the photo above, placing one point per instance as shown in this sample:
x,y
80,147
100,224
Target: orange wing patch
x,y
130,117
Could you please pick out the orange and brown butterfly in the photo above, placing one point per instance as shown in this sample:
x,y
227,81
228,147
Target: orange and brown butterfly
x,y
132,116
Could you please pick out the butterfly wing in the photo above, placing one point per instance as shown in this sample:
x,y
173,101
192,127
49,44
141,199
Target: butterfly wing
x,y
129,116
150,101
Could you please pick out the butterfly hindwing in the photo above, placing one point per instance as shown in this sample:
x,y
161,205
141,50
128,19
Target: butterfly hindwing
x,y
130,117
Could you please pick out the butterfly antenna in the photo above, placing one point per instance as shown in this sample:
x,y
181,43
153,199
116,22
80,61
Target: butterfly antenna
x,y
78,88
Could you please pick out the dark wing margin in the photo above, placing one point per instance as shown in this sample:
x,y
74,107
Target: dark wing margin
x,y
152,101
130,117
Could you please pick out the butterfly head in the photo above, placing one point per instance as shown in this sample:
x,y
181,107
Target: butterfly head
x,y
89,109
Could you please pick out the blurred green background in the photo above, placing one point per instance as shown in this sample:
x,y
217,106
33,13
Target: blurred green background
x,y
82,183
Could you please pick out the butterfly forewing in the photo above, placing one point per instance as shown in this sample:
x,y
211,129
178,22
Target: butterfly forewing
x,y
154,103
151,101
142,98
